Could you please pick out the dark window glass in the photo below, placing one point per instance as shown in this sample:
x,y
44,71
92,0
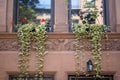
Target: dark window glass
x,y
31,77
34,11
106,12
83,77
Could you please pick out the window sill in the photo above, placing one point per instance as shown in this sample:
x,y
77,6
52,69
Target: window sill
x,y
52,35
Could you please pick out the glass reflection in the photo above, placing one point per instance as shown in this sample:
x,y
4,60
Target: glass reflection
x,y
34,11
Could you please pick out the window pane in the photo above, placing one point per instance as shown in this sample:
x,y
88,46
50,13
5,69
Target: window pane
x,y
75,4
31,77
91,77
90,3
74,12
34,11
83,11
46,4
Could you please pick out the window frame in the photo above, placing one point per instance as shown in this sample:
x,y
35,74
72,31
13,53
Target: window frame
x,y
69,15
16,13
13,77
106,15
70,77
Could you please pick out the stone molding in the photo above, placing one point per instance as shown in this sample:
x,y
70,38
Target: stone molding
x,y
62,45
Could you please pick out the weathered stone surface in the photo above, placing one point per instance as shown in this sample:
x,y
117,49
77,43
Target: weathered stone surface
x,y
8,45
62,45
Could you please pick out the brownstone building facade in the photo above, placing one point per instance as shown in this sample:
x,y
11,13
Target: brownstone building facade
x,y
60,44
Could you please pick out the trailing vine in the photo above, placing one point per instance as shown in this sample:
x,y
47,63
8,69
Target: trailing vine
x,y
89,30
96,37
39,38
26,34
80,33
93,32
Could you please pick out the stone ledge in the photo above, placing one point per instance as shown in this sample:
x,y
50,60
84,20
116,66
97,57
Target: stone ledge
x,y
56,35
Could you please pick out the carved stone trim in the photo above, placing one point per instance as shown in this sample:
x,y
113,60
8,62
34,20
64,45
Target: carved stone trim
x,y
62,45
8,45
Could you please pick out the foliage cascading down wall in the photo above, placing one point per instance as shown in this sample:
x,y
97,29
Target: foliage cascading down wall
x,y
27,34
93,32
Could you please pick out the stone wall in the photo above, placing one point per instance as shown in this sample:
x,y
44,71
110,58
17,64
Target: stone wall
x,y
60,15
60,58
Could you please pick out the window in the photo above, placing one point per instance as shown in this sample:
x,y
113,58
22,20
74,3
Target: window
x,y
78,12
106,12
73,13
34,11
46,77
83,77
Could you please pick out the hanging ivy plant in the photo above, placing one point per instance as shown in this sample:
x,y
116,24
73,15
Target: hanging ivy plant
x,y
26,34
93,32
90,30
96,37
80,33
40,38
